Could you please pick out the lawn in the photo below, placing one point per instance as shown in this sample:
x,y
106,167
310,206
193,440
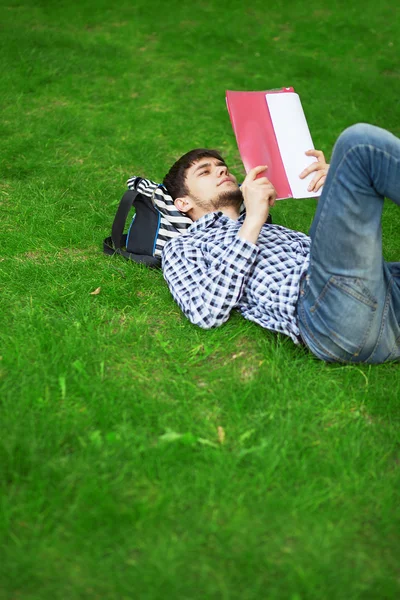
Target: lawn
x,y
142,457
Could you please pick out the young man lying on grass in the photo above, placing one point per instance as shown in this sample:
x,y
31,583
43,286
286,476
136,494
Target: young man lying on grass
x,y
331,290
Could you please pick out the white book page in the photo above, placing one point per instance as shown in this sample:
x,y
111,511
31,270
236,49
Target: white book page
x,y
294,139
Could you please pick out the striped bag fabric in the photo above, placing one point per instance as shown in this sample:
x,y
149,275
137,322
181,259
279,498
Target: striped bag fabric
x,y
171,221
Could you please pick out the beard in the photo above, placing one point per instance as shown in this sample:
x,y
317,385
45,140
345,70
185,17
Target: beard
x,y
232,198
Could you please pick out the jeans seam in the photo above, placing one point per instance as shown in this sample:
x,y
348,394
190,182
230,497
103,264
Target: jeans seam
x,y
384,317
311,335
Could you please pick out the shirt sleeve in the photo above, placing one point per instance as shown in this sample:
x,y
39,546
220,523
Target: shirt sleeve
x,y
207,289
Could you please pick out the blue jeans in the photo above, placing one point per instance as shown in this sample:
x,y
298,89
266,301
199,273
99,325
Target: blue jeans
x,y
349,302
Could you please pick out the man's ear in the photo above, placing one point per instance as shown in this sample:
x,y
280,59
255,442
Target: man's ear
x,y
183,204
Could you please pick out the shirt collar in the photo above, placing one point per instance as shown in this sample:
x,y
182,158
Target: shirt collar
x,y
209,219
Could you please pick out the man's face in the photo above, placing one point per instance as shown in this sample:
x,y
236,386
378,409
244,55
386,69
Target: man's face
x,y
211,184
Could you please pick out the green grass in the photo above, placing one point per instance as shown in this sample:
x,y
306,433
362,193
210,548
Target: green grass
x,y
116,482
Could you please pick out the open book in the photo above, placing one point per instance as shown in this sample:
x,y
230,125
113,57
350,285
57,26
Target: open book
x,y
271,129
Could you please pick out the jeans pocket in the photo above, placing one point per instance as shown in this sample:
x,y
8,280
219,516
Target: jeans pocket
x,y
342,316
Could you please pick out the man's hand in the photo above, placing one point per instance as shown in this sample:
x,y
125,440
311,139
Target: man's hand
x,y
320,166
259,195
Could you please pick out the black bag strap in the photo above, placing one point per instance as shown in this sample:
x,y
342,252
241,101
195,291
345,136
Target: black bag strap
x,y
118,226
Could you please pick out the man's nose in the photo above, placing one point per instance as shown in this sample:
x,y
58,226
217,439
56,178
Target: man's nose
x,y
222,170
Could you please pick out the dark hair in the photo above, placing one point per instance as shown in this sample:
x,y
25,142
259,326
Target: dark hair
x,y
175,179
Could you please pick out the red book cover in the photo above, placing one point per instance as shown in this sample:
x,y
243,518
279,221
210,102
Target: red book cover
x,y
271,129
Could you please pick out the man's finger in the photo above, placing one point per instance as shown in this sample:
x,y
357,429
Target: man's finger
x,y
262,181
320,183
315,166
272,197
316,183
317,153
252,174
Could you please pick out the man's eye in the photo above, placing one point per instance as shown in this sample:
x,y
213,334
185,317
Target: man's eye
x,y
204,172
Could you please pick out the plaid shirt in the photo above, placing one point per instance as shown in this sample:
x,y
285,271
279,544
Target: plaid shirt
x,y
210,271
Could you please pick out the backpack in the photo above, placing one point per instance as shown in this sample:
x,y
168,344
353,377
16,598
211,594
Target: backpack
x,y
156,220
